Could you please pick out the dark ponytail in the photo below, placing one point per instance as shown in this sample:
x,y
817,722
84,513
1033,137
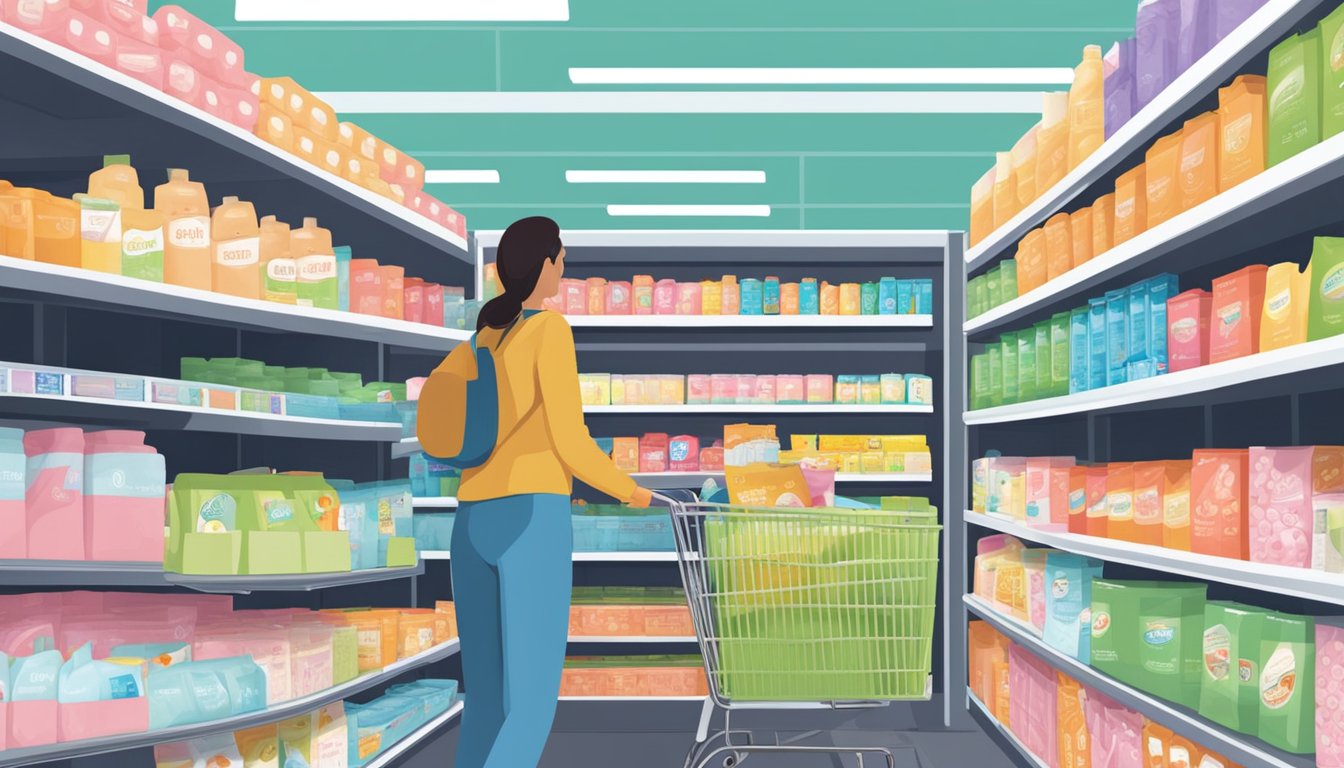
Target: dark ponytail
x,y
523,250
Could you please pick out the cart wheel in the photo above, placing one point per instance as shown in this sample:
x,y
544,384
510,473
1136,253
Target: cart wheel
x,y
734,760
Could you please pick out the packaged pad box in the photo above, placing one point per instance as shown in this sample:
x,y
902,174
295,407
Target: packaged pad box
x,y
1287,682
1229,679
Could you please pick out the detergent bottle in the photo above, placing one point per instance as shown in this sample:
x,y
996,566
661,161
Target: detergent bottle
x,y
237,242
186,215
141,229
315,260
278,275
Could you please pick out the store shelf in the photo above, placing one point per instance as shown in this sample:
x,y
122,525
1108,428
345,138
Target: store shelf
x,y
71,408
435,502
66,573
1256,35
633,698
1277,579
673,480
38,63
989,722
389,756
829,408
84,286
750,321
632,639
1240,748
1268,195
290,582
91,747
584,557
1291,369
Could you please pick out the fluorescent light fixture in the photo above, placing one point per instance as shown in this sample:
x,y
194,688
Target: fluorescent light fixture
x,y
684,102
401,10
820,75
461,177
665,177
758,211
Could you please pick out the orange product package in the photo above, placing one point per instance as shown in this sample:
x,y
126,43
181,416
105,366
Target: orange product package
x,y
1120,501
1103,223
1072,738
1149,486
394,290
1199,160
982,207
983,648
1006,205
55,227
1176,505
369,639
1097,515
1080,227
1052,141
1031,261
446,609
1131,205
275,127
1024,166
1003,697
1078,499
1241,146
1156,744
1235,313
668,621
16,224
762,485
1182,752
1058,246
1162,165
1218,492
397,167
302,107
415,632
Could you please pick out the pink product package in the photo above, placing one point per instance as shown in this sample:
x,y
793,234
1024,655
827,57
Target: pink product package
x,y
141,61
41,19
766,387
182,80
311,658
1329,694
1059,491
13,489
92,38
114,437
206,606
790,388
618,297
154,625
746,388
665,297
1019,683
688,298
55,493
575,296
32,723
820,388
100,719
413,387
820,486
1116,731
698,388
268,645
1188,329
723,388
125,487
1281,515
1042,732
208,49
26,633
126,20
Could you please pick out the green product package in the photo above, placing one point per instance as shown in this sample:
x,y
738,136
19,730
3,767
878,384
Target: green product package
x,y
142,253
1026,366
1112,604
1043,357
1008,352
1229,689
1294,101
975,296
1287,682
1059,354
1008,279
1325,305
1169,638
994,352
993,287
1332,73
979,381
318,284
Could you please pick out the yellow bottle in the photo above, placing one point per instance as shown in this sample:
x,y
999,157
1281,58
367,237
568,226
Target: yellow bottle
x,y
141,230
99,234
55,227
711,297
186,215
1052,141
1087,108
730,296
1024,166
237,243
850,298
278,274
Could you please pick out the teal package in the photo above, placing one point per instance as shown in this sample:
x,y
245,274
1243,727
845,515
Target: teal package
x,y
886,296
82,679
770,296
198,691
1137,323
35,678
926,294
1096,344
172,653
1160,289
905,297
1078,350
13,467
1068,603
343,255
1117,336
48,383
809,300
752,297
868,299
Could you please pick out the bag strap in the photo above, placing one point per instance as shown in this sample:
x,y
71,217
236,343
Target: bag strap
x,y
517,320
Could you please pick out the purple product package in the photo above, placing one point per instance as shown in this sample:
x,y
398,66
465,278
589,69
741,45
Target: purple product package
x,y
1229,14
1196,35
1157,32
1119,87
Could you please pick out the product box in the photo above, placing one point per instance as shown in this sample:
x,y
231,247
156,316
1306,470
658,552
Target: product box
x,y
1188,329
1238,301
1230,682
1287,682
1218,502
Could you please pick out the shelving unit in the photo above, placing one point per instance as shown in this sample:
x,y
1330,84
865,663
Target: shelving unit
x,y
694,480
67,573
750,321
435,502
584,557
389,756
987,721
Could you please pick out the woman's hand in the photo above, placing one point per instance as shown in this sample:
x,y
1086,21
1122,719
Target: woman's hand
x,y
641,498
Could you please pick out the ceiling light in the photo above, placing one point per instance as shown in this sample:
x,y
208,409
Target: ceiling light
x,y
820,75
401,10
758,211
461,177
665,177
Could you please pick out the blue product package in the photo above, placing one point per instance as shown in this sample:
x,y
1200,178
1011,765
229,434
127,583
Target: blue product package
x,y
1117,336
886,296
809,298
1137,323
419,474
13,462
197,691
1096,343
1078,350
1140,369
770,296
752,295
925,304
434,530
48,383
905,297
1160,289
343,255
1068,603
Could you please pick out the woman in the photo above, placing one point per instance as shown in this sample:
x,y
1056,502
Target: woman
x,y
512,543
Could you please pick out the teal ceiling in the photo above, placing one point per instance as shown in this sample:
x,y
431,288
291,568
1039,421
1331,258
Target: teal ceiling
x,y
832,170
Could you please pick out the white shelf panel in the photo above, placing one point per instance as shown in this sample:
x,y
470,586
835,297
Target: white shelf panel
x,y
584,557
1274,188
185,417
674,480
388,757
1279,579
750,321
1002,728
1263,368
741,238
831,408
89,747
632,639
144,296
51,573
435,502
142,98
1238,747
1255,35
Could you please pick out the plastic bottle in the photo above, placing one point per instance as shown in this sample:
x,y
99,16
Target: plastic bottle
x,y
186,216
99,234
809,301
1024,166
731,296
1052,141
868,298
711,297
16,224
315,263
642,297
770,296
279,277
237,242
788,299
141,229
1087,107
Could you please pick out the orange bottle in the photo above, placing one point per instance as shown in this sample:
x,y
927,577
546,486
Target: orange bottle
x,y
279,278
730,297
1006,204
1241,148
982,207
1103,223
16,224
394,290
1162,167
55,227
141,229
1080,228
186,215
1131,205
1086,107
1024,167
1058,246
830,299
315,266
237,242
1052,141
1198,173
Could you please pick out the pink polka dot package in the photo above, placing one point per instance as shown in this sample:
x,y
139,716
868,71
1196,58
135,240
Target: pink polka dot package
x,y
1281,515
1330,693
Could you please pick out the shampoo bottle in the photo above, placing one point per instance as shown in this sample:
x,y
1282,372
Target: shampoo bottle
x,y
315,262
186,215
141,229
237,241
277,268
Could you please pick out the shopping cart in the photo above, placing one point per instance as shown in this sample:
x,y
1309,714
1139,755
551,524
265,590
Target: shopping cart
x,y
805,609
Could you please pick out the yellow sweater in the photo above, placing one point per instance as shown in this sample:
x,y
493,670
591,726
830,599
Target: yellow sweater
x,y
543,442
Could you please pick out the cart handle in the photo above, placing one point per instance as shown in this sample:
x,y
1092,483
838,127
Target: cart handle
x,y
671,500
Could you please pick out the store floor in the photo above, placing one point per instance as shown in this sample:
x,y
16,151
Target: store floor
x,y
657,735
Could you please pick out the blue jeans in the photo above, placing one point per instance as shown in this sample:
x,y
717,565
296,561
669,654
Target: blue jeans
x,y
512,577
